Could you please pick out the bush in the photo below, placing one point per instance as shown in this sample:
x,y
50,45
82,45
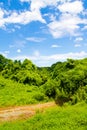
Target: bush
x,y
61,97
80,95
50,88
39,96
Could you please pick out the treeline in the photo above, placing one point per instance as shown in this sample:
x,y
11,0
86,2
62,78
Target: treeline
x,y
24,72
63,81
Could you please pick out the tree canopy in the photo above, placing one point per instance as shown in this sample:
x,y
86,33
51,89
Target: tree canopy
x,y
67,78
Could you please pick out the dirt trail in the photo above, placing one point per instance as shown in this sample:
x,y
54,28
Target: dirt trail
x,y
23,112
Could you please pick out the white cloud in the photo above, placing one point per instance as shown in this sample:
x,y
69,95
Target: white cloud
x,y
71,7
35,39
17,26
67,25
48,60
1,13
77,45
1,18
5,53
24,17
38,4
47,1
36,53
55,46
78,39
19,51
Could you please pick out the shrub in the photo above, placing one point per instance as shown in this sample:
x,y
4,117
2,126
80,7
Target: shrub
x,y
50,88
39,96
61,97
80,95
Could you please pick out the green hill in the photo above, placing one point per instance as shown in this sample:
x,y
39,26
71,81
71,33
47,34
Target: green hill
x,y
24,82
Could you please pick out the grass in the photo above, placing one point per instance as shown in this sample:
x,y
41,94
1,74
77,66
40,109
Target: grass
x,y
57,118
15,94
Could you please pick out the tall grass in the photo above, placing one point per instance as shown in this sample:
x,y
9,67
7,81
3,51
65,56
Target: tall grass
x,y
13,93
57,118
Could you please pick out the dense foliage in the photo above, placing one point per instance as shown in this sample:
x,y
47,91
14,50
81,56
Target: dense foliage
x,y
63,81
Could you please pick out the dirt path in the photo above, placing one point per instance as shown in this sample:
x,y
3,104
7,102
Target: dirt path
x,y
23,112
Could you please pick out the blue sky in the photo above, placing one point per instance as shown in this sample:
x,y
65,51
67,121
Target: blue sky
x,y
44,31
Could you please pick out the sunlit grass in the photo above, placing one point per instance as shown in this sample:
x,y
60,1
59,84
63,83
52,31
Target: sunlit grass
x,y
57,118
13,93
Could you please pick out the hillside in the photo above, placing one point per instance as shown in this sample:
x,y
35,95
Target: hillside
x,y
25,83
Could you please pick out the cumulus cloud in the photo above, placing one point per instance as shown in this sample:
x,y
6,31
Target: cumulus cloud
x,y
38,4
71,7
68,23
26,16
23,17
48,60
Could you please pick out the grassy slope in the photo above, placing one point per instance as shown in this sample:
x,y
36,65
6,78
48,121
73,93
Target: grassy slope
x,y
13,93
57,118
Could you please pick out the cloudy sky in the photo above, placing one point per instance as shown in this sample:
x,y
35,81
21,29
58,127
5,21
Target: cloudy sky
x,y
44,31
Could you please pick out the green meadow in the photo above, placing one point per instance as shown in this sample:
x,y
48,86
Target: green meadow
x,y
57,118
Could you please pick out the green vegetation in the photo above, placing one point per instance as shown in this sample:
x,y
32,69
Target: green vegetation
x,y
13,93
69,80
57,118
25,83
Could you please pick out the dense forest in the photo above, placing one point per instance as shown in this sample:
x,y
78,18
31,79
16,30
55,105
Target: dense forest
x,y
24,82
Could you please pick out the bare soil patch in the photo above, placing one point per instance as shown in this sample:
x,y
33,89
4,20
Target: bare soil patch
x,y
23,112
